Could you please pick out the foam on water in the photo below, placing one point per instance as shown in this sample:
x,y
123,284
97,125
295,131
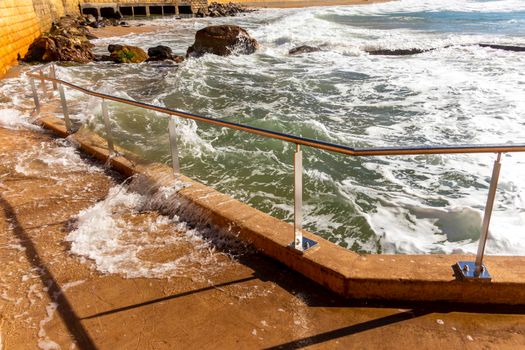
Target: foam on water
x,y
457,93
107,235
15,119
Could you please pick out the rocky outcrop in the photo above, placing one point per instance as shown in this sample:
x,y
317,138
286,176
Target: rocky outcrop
x,y
67,40
512,48
159,53
222,40
303,49
406,52
397,52
222,10
127,54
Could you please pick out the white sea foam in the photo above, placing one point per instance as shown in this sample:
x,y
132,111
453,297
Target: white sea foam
x,y
15,119
104,235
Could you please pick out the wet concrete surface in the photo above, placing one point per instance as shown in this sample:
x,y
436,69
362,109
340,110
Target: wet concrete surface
x,y
50,298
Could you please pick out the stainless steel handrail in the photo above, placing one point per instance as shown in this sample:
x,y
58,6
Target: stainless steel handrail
x,y
328,146
464,269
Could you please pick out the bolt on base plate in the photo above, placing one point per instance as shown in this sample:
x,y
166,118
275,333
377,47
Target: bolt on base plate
x,y
467,270
307,244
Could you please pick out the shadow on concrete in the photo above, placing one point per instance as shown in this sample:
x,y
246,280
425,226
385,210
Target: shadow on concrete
x,y
353,329
316,295
55,293
169,297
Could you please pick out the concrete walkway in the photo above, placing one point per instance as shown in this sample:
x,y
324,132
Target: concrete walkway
x,y
51,299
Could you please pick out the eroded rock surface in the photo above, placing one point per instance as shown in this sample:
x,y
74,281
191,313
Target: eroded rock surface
x,y
127,54
161,53
222,40
67,40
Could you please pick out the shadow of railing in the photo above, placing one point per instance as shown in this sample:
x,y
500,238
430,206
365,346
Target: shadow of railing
x,y
54,291
353,329
169,297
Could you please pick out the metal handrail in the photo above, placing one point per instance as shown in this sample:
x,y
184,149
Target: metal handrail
x,y
463,269
328,146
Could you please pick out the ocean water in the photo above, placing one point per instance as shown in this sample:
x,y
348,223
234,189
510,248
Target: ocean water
x,y
456,94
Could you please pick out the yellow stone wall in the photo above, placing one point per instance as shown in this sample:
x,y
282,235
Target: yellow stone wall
x,y
22,21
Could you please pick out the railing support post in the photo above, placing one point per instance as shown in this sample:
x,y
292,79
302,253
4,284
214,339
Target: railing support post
x,y
54,76
43,84
35,96
488,213
65,110
109,135
300,243
298,199
469,269
173,146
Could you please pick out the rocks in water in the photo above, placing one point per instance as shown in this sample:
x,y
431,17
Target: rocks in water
x,y
161,53
303,49
397,52
127,54
223,10
103,58
67,40
504,47
222,40
406,52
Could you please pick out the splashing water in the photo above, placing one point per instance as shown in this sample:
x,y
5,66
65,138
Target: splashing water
x,y
458,93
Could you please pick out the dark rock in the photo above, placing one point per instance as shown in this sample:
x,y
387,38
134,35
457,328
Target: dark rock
x,y
103,58
66,41
397,52
303,49
222,40
127,54
124,24
504,47
114,47
405,52
159,53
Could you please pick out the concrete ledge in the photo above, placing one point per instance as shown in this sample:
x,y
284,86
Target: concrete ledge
x,y
385,277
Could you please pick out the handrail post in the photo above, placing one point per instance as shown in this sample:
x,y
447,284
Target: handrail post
x,y
298,199
35,96
173,146
65,110
109,135
43,84
300,243
468,269
54,76
488,213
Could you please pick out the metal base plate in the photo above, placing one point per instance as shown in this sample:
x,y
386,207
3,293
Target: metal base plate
x,y
307,244
467,269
